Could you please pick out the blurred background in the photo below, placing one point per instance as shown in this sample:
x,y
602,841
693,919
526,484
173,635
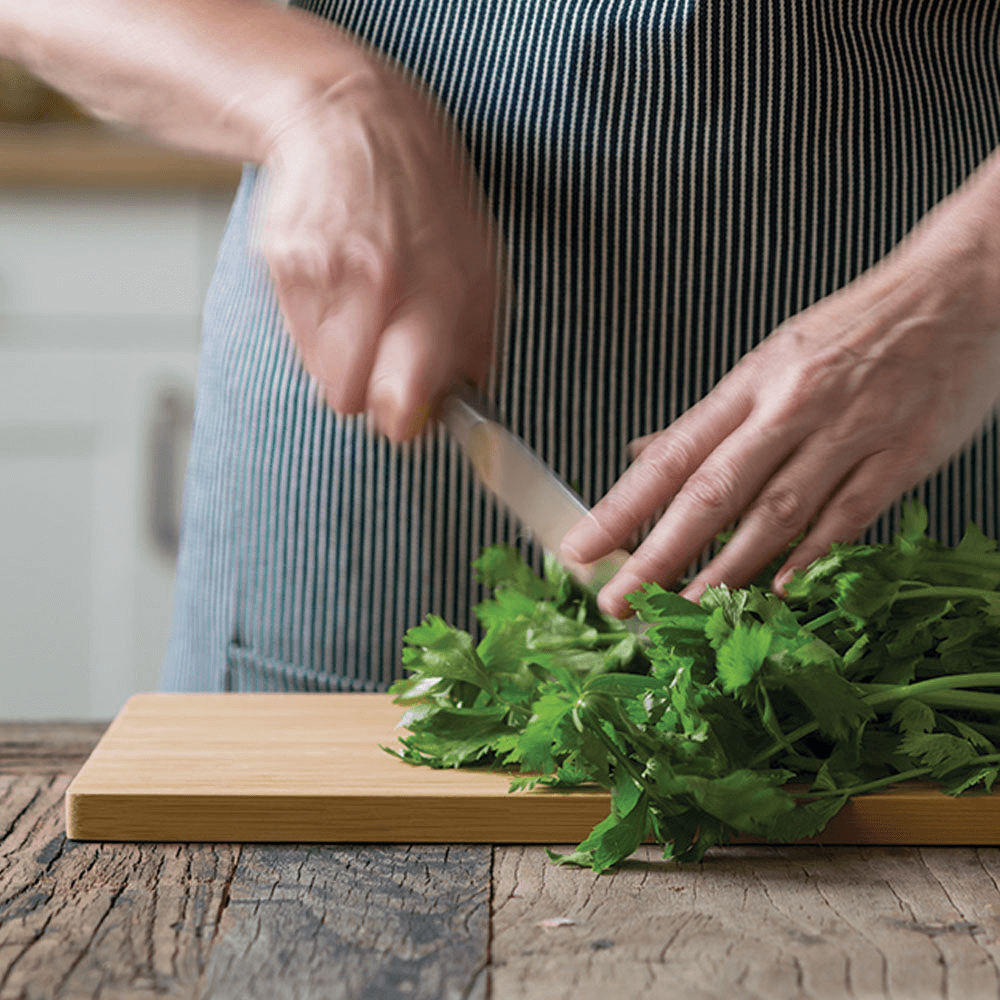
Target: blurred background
x,y
107,247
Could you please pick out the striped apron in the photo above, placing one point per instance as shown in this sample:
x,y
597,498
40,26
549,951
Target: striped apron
x,y
671,179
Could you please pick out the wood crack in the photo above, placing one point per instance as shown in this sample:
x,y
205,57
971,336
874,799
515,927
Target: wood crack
x,y
224,895
85,949
12,822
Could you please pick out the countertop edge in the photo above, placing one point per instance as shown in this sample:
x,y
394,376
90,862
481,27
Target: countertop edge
x,y
86,156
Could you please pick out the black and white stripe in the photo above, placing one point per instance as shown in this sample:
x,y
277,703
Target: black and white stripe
x,y
670,179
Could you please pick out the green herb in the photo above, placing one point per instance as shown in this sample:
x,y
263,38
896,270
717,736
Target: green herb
x,y
742,714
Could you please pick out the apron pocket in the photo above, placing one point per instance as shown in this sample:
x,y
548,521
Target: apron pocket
x,y
247,670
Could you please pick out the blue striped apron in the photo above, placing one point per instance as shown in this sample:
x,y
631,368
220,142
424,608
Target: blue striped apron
x,y
671,179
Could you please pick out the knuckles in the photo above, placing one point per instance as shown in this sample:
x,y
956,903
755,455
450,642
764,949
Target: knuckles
x,y
855,511
374,265
297,261
667,459
715,490
785,510
327,264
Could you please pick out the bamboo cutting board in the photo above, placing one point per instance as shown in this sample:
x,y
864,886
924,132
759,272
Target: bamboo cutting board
x,y
309,768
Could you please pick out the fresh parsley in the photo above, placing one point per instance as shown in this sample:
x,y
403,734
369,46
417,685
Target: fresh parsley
x,y
744,713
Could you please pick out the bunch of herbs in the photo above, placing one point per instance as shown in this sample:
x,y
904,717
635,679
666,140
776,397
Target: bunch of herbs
x,y
744,713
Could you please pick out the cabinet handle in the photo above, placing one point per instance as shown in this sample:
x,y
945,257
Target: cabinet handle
x,y
169,441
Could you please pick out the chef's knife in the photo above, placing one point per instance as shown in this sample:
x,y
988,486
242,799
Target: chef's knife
x,y
545,505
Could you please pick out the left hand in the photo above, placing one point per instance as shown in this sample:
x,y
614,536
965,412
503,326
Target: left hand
x,y
839,411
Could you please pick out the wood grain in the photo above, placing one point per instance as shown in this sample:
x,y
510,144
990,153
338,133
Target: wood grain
x,y
750,923
295,767
89,920
203,922
218,921
355,922
309,767
47,747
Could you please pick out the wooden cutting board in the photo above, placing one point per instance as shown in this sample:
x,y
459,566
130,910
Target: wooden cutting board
x,y
308,767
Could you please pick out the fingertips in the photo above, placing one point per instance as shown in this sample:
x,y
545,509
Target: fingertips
x,y
870,488
611,600
420,355
341,352
586,541
394,412
693,591
333,313
643,490
784,576
396,400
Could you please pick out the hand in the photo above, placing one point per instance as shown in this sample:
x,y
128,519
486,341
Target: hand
x,y
382,268
830,419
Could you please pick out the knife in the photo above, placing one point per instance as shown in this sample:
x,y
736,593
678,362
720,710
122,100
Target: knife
x,y
545,505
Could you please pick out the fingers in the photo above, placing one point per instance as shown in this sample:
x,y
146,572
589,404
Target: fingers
x,y
392,363
876,483
664,467
372,348
333,313
712,497
409,372
638,445
839,511
436,336
782,511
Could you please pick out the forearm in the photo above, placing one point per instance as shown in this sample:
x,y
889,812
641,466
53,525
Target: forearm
x,y
221,77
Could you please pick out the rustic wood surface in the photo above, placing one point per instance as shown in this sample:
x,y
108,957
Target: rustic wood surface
x,y
55,748
123,921
751,922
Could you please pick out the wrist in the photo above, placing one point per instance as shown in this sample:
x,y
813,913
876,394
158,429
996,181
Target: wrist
x,y
304,101
316,62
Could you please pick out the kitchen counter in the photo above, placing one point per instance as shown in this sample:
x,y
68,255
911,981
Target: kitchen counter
x,y
409,921
80,156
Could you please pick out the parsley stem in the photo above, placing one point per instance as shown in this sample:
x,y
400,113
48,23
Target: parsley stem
x,y
936,689
830,616
974,701
928,590
790,740
623,760
892,779
868,786
897,692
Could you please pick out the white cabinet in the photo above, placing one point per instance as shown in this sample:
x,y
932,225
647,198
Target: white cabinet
x,y
100,303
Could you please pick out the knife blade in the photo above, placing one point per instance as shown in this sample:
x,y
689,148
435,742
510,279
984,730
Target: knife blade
x,y
546,506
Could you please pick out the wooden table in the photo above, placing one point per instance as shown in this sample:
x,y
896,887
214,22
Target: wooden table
x,y
123,921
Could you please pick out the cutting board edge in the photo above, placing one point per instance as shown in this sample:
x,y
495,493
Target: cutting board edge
x,y
484,819
328,819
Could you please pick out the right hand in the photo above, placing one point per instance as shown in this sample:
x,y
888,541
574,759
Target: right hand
x,y
381,265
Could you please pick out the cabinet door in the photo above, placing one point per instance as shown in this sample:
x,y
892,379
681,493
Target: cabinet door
x,y
100,300
86,572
